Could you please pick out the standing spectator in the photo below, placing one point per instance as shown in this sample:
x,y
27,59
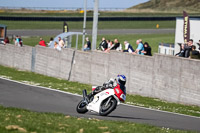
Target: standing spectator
x,y
128,47
182,51
57,46
6,40
42,42
18,41
188,48
87,45
61,42
140,47
117,46
103,45
147,49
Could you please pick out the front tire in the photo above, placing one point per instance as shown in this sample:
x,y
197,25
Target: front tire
x,y
81,107
105,110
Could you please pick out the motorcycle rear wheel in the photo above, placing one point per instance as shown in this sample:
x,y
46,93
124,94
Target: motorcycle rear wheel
x,y
81,107
105,110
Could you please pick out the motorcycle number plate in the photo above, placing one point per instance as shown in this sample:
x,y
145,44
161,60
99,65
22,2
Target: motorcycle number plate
x,y
123,97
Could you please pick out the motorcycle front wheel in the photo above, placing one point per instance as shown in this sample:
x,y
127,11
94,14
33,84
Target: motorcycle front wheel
x,y
111,106
81,107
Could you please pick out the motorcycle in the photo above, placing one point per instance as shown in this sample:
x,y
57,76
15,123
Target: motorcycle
x,y
103,102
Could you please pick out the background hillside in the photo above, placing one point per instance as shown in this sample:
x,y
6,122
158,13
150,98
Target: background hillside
x,y
169,6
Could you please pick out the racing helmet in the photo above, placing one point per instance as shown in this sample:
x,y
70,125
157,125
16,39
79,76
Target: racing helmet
x,y
121,79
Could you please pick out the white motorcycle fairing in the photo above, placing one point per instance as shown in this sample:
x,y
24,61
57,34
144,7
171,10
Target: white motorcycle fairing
x,y
95,105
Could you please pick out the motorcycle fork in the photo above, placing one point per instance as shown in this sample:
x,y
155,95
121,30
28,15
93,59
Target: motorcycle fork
x,y
108,101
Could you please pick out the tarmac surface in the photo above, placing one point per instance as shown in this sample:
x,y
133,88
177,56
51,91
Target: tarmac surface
x,y
54,32
40,99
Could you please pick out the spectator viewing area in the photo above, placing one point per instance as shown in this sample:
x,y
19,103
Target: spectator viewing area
x,y
194,32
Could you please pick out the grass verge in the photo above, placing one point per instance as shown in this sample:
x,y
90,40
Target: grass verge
x,y
79,24
19,120
75,87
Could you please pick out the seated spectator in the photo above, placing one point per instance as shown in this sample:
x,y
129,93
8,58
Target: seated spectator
x,y
194,54
87,46
140,47
128,47
103,45
42,42
108,42
6,40
57,46
182,51
117,46
61,42
147,49
111,45
51,40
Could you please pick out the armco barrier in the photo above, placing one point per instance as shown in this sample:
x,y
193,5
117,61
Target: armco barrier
x,y
166,77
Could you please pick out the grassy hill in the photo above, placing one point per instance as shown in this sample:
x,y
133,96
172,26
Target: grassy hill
x,y
176,6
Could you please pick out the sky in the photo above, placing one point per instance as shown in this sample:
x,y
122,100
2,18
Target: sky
x,y
70,3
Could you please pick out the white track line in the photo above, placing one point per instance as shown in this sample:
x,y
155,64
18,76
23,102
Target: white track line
x,y
81,96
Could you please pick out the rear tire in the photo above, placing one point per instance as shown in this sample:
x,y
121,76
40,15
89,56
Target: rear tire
x,y
81,107
105,110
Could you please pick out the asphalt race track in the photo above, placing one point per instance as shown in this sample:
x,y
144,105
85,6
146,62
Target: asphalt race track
x,y
13,94
106,31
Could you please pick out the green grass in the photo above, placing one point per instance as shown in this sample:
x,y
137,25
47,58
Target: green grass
x,y
152,39
89,24
75,87
33,122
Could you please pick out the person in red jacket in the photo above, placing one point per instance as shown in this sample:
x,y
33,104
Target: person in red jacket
x,y
42,42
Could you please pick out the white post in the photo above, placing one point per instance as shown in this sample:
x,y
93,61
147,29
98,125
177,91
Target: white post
x,y
95,24
84,22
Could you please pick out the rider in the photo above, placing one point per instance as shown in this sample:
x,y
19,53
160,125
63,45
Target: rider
x,y
112,83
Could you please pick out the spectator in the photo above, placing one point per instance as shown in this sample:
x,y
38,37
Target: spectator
x,y
18,41
87,45
61,42
128,47
140,47
188,48
6,40
51,40
147,49
57,46
117,46
194,54
182,51
111,45
103,45
42,42
198,44
108,42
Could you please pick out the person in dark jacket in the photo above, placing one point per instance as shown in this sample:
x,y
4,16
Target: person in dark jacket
x,y
147,49
194,54
182,51
103,45
188,48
